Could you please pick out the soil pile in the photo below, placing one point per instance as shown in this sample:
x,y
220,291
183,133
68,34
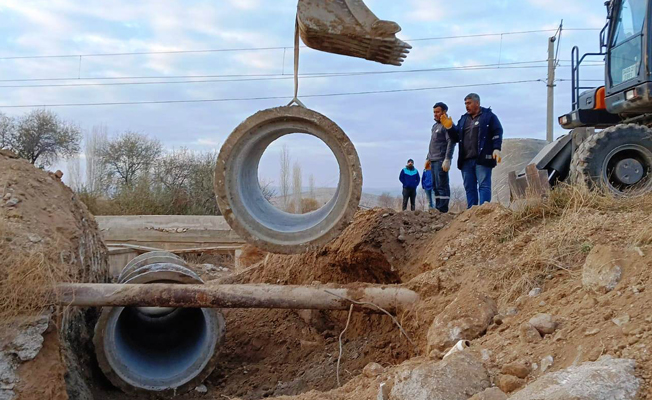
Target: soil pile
x,y
46,236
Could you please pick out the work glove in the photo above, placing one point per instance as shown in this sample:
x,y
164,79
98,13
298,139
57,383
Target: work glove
x,y
446,121
446,165
497,156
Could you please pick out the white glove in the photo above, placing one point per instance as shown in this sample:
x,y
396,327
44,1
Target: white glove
x,y
497,156
446,165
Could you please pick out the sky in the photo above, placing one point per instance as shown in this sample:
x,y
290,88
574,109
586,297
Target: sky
x,y
386,128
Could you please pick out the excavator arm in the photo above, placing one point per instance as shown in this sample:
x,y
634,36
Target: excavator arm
x,y
348,27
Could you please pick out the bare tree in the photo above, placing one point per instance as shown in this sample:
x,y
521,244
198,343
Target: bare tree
x,y
42,136
285,176
296,186
422,200
96,169
458,199
386,200
7,126
311,186
130,154
74,173
266,189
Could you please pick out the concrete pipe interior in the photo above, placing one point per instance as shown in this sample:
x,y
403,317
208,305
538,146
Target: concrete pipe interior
x,y
158,349
240,196
160,352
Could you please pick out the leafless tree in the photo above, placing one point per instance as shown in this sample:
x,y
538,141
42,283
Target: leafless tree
x,y
96,170
266,189
74,173
458,199
296,186
422,200
42,136
7,126
311,186
386,200
285,176
130,154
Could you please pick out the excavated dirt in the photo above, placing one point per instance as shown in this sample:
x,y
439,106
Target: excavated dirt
x,y
527,260
46,235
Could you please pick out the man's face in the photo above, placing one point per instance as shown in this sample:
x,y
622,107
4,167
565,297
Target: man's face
x,y
438,113
410,164
472,107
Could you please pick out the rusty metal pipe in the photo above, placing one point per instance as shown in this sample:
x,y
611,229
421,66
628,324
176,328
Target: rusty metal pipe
x,y
232,296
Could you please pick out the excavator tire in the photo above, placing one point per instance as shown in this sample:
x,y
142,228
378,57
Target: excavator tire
x,y
617,159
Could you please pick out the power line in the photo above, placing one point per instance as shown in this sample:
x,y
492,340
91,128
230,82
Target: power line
x,y
287,77
267,97
199,51
395,71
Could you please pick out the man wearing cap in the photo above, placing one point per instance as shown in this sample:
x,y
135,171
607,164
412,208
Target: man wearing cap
x,y
480,136
440,154
409,177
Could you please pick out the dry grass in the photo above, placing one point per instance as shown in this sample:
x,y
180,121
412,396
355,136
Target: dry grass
x,y
27,277
553,234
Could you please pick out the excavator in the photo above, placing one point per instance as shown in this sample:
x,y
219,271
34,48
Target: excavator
x,y
610,143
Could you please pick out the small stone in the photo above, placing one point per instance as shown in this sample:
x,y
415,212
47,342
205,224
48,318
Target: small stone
x,y
543,323
602,272
535,292
498,319
520,369
591,332
373,370
201,389
385,215
528,333
546,362
58,174
34,238
12,202
308,344
7,196
511,311
509,383
622,320
559,336
490,394
401,238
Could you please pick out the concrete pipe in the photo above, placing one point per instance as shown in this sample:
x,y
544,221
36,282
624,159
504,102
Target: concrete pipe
x,y
241,200
158,349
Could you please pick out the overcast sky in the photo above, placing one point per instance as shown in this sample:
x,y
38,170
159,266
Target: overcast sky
x,y
386,128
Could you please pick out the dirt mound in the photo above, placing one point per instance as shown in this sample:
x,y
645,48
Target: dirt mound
x,y
529,261
373,249
46,235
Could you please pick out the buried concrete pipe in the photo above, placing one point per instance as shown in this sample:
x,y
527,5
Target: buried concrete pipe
x,y
163,350
240,197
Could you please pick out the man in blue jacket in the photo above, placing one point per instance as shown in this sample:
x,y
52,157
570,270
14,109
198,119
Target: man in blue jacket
x,y
480,136
409,177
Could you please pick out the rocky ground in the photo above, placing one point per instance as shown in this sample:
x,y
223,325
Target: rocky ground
x,y
553,296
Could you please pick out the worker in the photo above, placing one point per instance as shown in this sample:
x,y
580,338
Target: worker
x,y
426,184
480,136
440,154
409,177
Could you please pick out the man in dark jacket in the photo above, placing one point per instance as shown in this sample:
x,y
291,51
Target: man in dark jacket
x,y
409,177
440,154
480,136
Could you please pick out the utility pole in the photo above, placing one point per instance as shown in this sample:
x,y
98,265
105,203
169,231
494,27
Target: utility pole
x,y
551,88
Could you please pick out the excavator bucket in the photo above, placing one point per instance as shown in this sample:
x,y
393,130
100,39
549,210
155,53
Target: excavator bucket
x,y
349,28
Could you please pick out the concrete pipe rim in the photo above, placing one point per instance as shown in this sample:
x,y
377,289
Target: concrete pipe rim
x,y
240,198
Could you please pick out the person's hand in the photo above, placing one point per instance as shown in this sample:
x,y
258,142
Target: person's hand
x,y
446,121
497,156
446,165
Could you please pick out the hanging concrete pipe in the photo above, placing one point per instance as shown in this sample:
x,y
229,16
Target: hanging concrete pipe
x,y
164,350
240,197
